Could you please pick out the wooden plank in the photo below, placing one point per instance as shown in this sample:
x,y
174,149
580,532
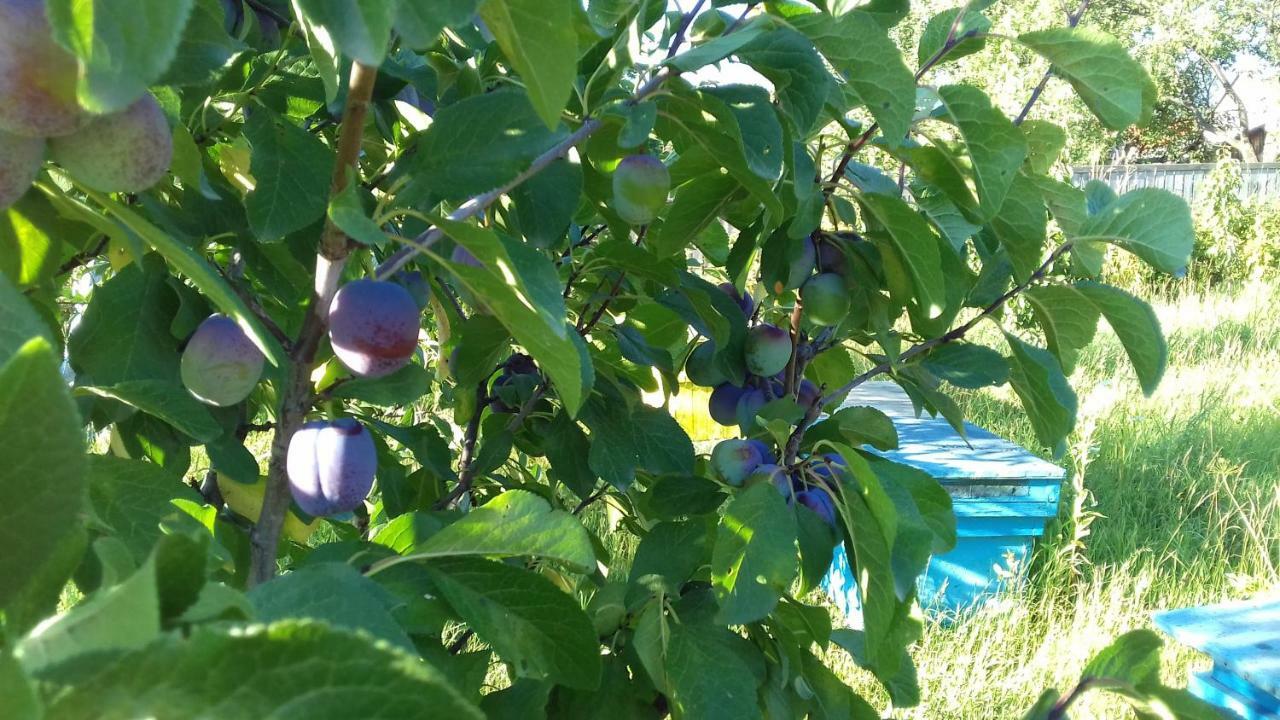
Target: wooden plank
x,y
1243,637
931,445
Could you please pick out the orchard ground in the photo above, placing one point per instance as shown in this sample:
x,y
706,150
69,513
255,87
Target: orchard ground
x,y
1182,507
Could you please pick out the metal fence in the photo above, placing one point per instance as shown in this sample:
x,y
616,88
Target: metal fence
x,y
1258,180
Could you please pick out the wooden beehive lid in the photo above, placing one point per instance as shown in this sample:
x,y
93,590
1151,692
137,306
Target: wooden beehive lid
x,y
931,445
1242,636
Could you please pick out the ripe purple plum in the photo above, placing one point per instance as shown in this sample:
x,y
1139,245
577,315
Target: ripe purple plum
x,y
748,406
20,161
640,187
744,300
126,151
700,367
768,349
802,267
373,326
820,502
807,394
766,452
832,257
220,365
723,403
37,76
417,285
331,466
823,465
734,460
776,476
826,299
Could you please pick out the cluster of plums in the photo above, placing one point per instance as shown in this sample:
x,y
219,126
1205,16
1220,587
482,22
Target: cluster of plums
x,y
373,328
747,462
125,151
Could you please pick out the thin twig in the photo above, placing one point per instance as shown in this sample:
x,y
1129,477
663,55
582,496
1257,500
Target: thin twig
x,y
83,257
466,474
1073,19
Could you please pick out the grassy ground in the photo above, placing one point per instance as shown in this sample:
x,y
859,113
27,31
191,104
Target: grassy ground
x,y
1178,503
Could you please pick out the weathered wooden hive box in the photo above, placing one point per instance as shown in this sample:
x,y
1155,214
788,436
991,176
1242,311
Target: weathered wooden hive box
x,y
1243,639
1002,496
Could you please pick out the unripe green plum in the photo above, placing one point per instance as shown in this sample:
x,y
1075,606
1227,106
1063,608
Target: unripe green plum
x,y
331,466
825,298
220,365
768,349
640,187
708,25
127,151
20,161
37,76
373,327
734,460
701,368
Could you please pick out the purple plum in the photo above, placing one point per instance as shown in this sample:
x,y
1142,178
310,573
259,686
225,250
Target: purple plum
x,y
744,300
373,326
748,405
220,364
417,285
37,75
807,394
819,501
832,258
766,452
723,404
734,460
331,466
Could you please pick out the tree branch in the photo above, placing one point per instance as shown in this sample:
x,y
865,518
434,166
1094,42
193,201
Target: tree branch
x,y
296,393
465,475
1073,19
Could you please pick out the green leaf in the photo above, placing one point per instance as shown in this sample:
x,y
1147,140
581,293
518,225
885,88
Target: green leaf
x,y
565,445
42,484
546,202
757,128
334,593
1020,226
697,203
123,46
205,49
754,560
678,657
360,29
165,400
134,498
858,46
347,213
1132,658
1114,86
719,48
1151,223
967,365
535,318
676,496
514,524
934,36
1038,381
856,425
673,551
1044,144
1138,328
17,690
537,36
996,147
124,332
420,23
1069,321
197,269
291,170
800,80
400,388
832,699
18,321
539,630
626,437
31,239
263,671
475,145
917,243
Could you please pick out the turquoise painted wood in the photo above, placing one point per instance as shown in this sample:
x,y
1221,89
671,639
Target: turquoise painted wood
x,y
1243,639
1002,496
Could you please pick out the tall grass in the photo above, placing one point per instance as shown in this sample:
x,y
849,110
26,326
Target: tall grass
x,y
1177,502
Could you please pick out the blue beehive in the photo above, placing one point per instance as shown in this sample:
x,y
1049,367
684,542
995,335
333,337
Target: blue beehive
x,y
1243,639
1002,496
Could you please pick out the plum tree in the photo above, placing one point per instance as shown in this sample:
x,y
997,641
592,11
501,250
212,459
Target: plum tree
x,y
126,151
734,460
20,160
744,299
825,298
700,367
373,326
331,465
37,76
221,365
767,350
819,501
640,187
722,406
